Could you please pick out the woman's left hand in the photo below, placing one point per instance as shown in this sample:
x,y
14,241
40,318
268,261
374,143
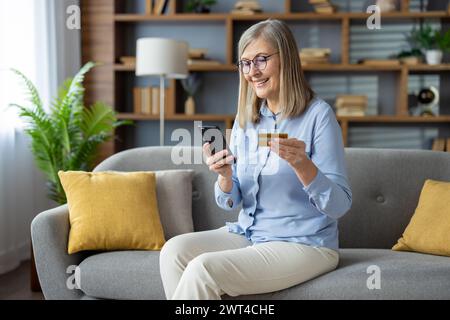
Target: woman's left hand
x,y
292,150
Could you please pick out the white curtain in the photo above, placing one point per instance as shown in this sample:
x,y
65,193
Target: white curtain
x,y
33,39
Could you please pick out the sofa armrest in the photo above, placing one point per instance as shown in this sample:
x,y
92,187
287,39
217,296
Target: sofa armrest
x,y
49,235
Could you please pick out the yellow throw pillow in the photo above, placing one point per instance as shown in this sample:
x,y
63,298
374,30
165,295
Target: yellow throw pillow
x,y
112,210
429,228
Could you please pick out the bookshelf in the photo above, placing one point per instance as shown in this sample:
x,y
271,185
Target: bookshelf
x,y
104,30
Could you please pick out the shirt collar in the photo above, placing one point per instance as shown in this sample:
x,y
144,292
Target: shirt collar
x,y
265,111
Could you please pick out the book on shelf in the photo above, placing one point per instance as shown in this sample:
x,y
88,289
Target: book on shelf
x,y
310,60
248,4
146,100
137,100
351,105
247,7
197,53
315,52
350,112
315,55
350,99
381,62
245,11
447,145
148,6
160,6
202,62
155,99
325,9
438,144
323,6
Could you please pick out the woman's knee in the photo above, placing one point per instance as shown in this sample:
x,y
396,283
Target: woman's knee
x,y
174,247
201,264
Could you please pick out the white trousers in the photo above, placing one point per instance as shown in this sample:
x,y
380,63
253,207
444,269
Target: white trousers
x,y
205,265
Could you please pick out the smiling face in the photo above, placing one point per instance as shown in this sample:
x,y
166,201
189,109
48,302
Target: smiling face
x,y
265,83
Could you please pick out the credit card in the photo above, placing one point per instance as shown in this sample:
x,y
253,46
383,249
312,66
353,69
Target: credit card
x,y
264,138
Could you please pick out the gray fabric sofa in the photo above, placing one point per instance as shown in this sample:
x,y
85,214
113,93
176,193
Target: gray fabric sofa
x,y
386,184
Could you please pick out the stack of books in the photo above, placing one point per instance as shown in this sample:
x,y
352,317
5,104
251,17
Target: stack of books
x,y
323,6
440,144
146,100
247,7
315,55
351,105
198,57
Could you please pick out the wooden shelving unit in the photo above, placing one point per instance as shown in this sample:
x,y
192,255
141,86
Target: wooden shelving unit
x,y
331,67
281,16
103,40
221,67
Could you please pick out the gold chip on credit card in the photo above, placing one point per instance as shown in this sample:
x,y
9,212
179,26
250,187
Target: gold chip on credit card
x,y
264,138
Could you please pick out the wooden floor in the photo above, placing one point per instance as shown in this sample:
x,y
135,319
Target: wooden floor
x,y
15,285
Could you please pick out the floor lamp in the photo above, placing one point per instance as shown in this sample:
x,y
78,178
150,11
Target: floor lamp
x,y
165,58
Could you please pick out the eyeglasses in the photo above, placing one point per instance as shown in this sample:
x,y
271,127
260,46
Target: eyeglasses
x,y
259,62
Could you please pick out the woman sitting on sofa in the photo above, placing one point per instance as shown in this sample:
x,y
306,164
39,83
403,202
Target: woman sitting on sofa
x,y
292,190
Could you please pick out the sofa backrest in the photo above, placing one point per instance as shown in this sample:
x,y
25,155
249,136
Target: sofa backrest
x,y
386,185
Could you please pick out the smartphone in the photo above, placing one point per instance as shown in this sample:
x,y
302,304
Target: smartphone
x,y
214,136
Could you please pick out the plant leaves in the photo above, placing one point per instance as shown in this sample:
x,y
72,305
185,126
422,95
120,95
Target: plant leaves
x,y
68,135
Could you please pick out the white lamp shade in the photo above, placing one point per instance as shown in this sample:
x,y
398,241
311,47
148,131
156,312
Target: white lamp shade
x,y
158,56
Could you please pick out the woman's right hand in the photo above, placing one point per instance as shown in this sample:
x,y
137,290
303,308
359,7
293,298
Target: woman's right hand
x,y
217,163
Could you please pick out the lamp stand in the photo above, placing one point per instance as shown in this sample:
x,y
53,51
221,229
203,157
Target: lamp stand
x,y
161,109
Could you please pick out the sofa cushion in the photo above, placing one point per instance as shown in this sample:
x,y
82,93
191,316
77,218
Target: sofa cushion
x,y
112,210
135,275
174,193
404,275
429,228
122,275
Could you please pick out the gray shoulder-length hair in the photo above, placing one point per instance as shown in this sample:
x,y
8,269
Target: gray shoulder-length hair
x,y
295,92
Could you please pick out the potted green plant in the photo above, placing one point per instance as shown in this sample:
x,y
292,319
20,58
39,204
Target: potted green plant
x,y
443,42
200,6
432,42
65,137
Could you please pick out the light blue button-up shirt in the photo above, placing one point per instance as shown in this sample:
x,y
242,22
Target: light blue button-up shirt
x,y
276,206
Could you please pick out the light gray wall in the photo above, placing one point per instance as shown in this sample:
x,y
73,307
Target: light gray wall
x,y
68,46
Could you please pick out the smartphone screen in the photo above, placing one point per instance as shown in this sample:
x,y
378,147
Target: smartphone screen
x,y
214,136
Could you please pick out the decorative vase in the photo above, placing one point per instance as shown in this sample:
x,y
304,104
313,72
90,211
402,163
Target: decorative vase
x,y
433,56
189,106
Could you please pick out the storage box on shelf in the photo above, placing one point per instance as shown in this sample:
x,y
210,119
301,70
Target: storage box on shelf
x,y
104,41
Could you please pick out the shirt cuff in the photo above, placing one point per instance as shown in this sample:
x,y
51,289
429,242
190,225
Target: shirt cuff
x,y
224,199
320,186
